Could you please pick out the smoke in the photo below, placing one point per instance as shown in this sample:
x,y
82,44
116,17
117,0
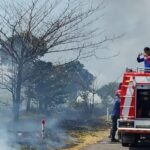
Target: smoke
x,y
7,139
28,131
57,137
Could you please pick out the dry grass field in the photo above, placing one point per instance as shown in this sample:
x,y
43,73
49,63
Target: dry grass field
x,y
88,138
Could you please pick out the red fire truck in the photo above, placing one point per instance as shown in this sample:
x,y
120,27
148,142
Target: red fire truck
x,y
134,122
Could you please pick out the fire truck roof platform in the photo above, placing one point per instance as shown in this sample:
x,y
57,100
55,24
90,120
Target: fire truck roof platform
x,y
141,75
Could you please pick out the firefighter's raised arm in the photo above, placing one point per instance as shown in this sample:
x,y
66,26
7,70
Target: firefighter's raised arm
x,y
140,57
145,57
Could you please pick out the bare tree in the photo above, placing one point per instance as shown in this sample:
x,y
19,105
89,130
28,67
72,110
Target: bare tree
x,y
28,31
93,90
88,94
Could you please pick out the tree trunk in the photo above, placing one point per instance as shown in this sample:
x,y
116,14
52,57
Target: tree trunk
x,y
28,104
16,107
17,101
45,107
40,106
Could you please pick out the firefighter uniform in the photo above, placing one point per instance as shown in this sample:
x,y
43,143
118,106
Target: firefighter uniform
x,y
145,58
115,116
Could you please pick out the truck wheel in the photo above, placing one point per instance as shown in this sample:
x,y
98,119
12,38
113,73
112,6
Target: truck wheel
x,y
128,145
129,140
125,144
119,136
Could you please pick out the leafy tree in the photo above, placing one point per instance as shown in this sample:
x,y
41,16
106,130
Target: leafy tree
x,y
54,85
107,93
36,81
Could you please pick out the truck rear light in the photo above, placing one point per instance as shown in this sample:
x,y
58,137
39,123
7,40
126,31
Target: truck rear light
x,y
126,124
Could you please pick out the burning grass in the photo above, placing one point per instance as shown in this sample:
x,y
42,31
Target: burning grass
x,y
69,133
81,133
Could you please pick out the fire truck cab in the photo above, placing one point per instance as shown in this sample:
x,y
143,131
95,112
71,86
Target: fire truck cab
x,y
134,122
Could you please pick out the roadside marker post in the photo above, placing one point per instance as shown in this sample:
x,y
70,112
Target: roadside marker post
x,y
43,128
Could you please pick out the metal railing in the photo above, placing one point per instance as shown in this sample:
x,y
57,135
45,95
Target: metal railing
x,y
138,69
146,70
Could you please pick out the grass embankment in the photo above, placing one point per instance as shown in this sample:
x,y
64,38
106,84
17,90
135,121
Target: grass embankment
x,y
88,138
84,131
97,132
26,148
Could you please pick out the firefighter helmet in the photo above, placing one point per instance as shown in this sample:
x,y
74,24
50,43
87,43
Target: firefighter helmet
x,y
117,92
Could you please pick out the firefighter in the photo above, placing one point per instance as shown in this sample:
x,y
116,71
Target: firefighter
x,y
115,116
145,57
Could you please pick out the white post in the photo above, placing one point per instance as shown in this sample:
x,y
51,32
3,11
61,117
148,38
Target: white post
x,y
43,129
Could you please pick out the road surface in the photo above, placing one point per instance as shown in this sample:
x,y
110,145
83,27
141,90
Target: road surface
x,y
107,145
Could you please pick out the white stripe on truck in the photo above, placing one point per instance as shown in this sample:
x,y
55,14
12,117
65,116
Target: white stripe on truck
x,y
128,100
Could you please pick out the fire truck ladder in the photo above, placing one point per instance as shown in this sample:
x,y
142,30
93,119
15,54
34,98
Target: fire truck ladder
x,y
128,96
